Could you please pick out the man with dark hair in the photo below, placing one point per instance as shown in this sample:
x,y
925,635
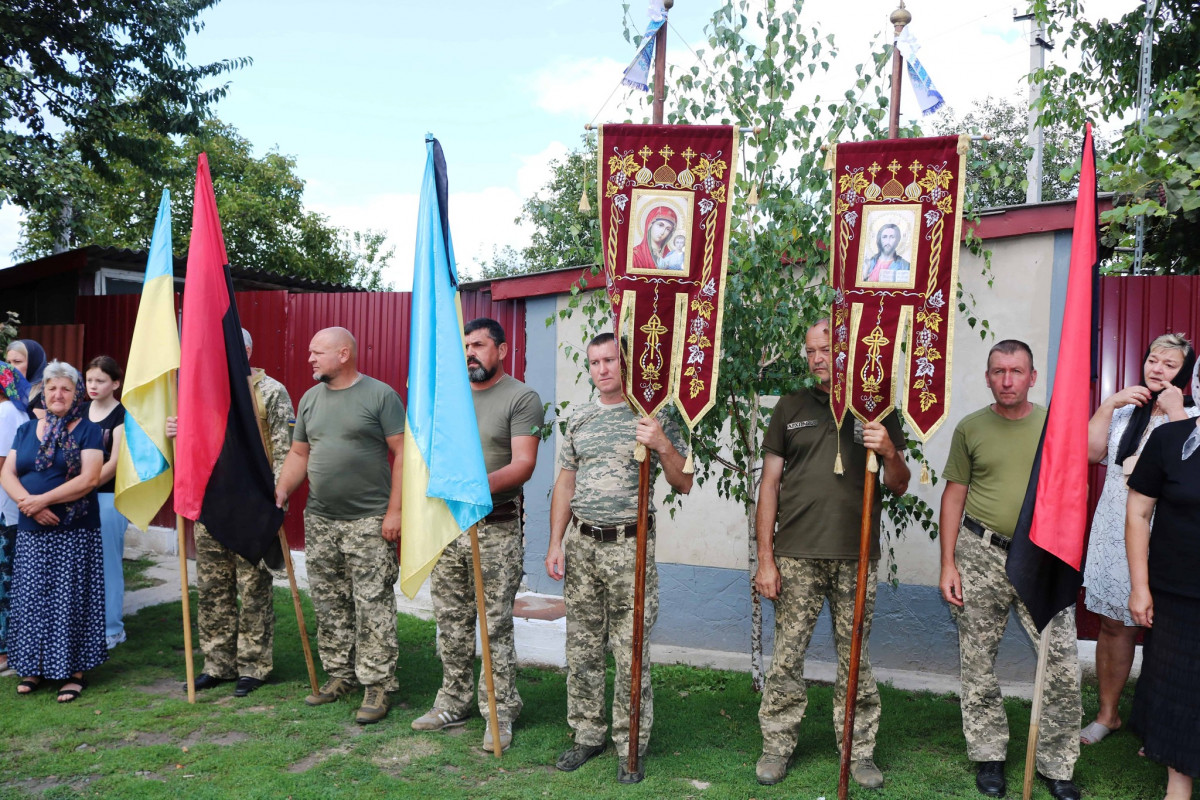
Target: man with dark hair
x,y
345,428
509,415
987,473
593,544
809,524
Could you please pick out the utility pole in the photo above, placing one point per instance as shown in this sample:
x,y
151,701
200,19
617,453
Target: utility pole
x,y
1038,45
1139,241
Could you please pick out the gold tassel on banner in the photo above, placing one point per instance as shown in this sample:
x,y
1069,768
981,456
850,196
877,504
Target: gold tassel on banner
x,y
584,205
925,480
689,463
838,469
752,200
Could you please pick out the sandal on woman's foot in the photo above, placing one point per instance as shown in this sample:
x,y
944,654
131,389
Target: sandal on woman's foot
x,y
29,685
1095,733
66,695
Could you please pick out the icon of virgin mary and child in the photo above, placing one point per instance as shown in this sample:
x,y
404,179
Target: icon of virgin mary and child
x,y
661,247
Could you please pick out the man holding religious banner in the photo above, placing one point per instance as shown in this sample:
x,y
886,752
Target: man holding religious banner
x,y
593,522
665,200
808,541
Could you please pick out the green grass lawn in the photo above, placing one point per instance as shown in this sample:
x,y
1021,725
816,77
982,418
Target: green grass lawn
x,y
133,735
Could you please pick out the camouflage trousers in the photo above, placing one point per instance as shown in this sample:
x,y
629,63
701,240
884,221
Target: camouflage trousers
x,y
452,587
352,572
598,592
235,643
806,583
987,597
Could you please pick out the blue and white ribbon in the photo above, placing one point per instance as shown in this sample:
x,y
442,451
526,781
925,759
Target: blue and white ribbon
x,y
637,74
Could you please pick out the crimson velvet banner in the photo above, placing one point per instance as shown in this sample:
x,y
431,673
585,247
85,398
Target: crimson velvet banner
x,y
897,219
665,202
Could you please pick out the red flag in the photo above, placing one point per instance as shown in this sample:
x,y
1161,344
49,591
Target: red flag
x,y
1047,553
222,476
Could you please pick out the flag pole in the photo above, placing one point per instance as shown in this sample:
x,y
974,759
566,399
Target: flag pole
x,y
187,609
287,562
639,570
899,18
181,543
1035,715
860,601
481,609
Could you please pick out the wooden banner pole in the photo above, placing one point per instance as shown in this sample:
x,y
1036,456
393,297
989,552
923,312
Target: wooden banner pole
x,y
900,17
860,600
639,612
481,609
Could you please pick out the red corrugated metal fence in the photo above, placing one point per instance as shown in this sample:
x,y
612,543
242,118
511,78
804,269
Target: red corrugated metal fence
x,y
282,325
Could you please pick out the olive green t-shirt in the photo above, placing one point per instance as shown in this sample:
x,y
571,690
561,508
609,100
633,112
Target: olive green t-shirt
x,y
346,431
820,513
505,410
993,456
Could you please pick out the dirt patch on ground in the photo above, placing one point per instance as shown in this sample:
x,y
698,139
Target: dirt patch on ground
x,y
145,738
36,786
168,687
397,754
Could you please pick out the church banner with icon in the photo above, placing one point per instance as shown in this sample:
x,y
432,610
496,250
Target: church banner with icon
x,y
665,211
897,222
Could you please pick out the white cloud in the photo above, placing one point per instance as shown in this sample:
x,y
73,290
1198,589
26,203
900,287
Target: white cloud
x,y
10,232
579,87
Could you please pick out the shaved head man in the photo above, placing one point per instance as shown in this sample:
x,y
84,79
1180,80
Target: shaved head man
x,y
346,426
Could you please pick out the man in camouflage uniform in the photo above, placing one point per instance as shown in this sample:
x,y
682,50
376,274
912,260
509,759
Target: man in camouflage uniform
x,y
345,428
509,415
593,528
239,644
987,472
808,524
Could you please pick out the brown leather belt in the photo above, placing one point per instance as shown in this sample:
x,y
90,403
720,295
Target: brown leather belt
x,y
505,512
609,533
982,531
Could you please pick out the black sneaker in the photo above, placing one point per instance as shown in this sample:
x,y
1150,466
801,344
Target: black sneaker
x,y
577,756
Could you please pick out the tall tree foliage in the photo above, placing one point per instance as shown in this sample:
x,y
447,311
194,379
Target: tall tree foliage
x,y
996,167
260,201
74,75
1154,170
561,234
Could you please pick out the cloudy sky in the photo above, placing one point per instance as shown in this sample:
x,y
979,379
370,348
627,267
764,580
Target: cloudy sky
x,y
350,90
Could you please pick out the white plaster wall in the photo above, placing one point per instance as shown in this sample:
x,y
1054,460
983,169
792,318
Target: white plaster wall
x,y
710,531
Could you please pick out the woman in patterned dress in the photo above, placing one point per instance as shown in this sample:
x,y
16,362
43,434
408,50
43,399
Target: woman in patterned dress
x,y
1116,435
56,626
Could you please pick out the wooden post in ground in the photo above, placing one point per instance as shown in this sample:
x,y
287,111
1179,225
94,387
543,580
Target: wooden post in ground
x,y
481,608
860,599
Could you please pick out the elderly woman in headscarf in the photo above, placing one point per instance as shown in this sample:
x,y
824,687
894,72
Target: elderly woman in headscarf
x,y
14,392
1116,435
30,360
1162,541
56,629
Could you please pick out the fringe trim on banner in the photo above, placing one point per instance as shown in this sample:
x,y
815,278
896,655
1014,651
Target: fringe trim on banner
x,y
925,479
689,463
838,469
584,205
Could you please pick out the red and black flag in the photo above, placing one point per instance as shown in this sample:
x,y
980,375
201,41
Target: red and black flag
x,y
222,476
1046,558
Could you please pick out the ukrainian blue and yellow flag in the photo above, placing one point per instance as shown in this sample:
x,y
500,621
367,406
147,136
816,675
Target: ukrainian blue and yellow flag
x,y
445,480
144,474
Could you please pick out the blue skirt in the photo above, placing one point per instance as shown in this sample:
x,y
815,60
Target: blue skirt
x,y
56,623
